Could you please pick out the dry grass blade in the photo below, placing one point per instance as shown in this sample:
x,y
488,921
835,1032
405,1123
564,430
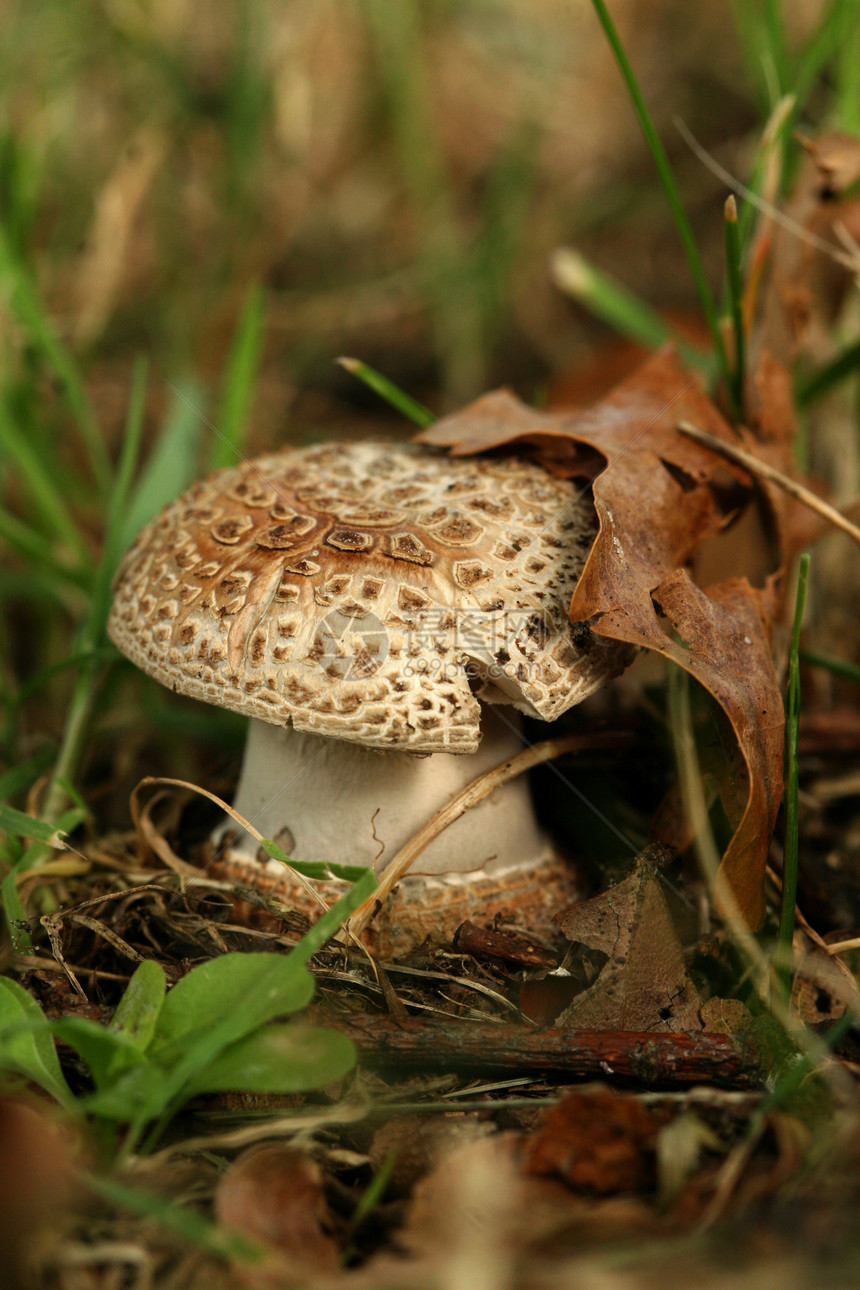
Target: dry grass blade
x,y
137,815
765,471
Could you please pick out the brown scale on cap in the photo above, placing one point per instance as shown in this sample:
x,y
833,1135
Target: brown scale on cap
x,y
367,591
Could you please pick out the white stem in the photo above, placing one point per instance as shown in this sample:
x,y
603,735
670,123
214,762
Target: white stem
x,y
332,801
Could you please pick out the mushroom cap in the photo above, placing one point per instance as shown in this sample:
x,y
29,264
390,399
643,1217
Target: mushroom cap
x,y
369,592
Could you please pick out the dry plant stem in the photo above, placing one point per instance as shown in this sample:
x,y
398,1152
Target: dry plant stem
x,y
137,814
650,1057
761,468
475,792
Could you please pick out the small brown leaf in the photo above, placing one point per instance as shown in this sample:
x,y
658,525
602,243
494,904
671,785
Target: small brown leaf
x,y
644,985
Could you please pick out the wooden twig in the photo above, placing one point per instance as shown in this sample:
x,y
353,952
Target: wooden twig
x,y
647,1058
763,470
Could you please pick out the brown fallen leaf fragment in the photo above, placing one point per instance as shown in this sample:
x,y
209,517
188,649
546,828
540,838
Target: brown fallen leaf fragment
x,y
471,1208
598,1142
658,495
37,1183
274,1195
644,984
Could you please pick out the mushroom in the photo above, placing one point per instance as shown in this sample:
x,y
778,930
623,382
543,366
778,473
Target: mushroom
x,y
365,605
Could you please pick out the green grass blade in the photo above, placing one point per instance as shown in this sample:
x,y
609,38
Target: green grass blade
x,y
35,547
734,277
39,850
775,46
314,868
838,666
847,88
25,302
229,443
172,464
833,39
608,300
44,493
92,634
184,1223
332,919
117,508
838,369
416,412
26,826
790,849
667,179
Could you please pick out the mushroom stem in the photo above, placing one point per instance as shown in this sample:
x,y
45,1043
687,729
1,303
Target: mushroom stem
x,y
336,802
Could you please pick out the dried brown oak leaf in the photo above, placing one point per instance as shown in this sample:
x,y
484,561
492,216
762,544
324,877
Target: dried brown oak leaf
x,y
644,983
657,497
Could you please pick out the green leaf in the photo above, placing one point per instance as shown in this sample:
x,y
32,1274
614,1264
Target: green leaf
x,y
135,1095
106,1052
226,998
26,1044
137,1015
280,1059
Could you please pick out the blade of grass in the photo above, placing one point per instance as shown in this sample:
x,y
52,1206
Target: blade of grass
x,y
26,303
184,1223
397,32
664,170
238,388
824,45
838,666
45,495
172,463
775,46
627,313
749,28
35,547
92,634
847,48
416,412
27,826
838,369
13,910
785,935
735,280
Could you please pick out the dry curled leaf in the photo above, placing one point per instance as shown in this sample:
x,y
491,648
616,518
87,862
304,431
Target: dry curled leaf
x,y
644,983
657,498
